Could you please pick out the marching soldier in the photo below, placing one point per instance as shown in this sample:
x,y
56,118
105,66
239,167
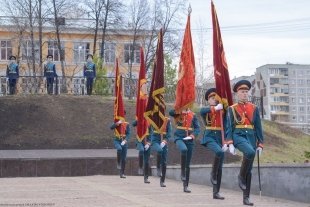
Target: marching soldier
x,y
212,138
12,73
160,145
122,136
244,128
50,73
187,129
144,147
89,73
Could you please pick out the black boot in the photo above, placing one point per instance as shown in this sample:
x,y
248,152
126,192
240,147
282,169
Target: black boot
x,y
118,166
185,183
122,170
158,165
246,192
246,163
183,162
215,168
163,176
140,170
146,173
216,188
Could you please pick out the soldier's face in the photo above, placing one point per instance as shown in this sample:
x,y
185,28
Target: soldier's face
x,y
89,59
12,61
212,100
49,59
243,95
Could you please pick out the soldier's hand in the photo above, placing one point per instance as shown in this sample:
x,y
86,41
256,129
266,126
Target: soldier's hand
x,y
188,138
162,144
224,148
259,150
146,147
119,122
232,149
123,142
218,107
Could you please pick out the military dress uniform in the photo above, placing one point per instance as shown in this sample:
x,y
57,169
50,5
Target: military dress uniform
x,y
124,134
146,153
160,146
140,148
50,74
12,73
187,126
90,74
245,130
212,139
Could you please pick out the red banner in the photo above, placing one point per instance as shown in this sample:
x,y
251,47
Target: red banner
x,y
185,91
155,110
221,74
119,112
142,125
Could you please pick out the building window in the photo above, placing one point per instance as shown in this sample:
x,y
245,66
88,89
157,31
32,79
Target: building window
x,y
53,50
5,49
293,117
308,108
80,50
301,100
301,119
109,52
301,109
300,73
27,50
136,53
308,82
292,90
300,81
293,81
301,91
293,100
294,108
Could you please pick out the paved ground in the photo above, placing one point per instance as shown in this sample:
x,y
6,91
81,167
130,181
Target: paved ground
x,y
93,191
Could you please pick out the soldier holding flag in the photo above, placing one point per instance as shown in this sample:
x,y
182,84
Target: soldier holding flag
x,y
120,127
187,125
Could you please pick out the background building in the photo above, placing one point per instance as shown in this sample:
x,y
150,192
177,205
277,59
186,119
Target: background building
x,y
285,89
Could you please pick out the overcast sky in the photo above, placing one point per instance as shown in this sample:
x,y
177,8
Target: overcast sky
x,y
255,32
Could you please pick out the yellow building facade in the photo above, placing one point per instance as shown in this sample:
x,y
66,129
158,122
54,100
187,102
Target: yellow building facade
x,y
76,43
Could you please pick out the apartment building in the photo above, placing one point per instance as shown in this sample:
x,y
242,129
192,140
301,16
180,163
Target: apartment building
x,y
285,89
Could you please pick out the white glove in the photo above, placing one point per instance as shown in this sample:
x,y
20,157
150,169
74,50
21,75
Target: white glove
x,y
232,149
259,150
188,138
119,122
218,107
123,142
162,144
224,148
146,147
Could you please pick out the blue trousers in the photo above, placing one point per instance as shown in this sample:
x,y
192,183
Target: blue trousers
x,y
50,84
160,151
12,85
186,147
89,85
146,153
214,144
122,149
248,148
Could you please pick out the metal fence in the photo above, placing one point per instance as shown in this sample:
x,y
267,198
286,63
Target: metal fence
x,y
102,86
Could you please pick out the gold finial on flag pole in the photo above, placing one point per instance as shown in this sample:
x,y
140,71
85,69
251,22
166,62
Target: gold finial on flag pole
x,y
189,9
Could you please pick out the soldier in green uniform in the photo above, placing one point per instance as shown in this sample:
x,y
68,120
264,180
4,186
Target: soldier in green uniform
x,y
245,129
12,74
122,136
89,73
160,146
212,137
187,129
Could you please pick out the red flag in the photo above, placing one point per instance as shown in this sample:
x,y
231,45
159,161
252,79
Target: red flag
x,y
119,112
142,124
155,110
221,74
185,91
